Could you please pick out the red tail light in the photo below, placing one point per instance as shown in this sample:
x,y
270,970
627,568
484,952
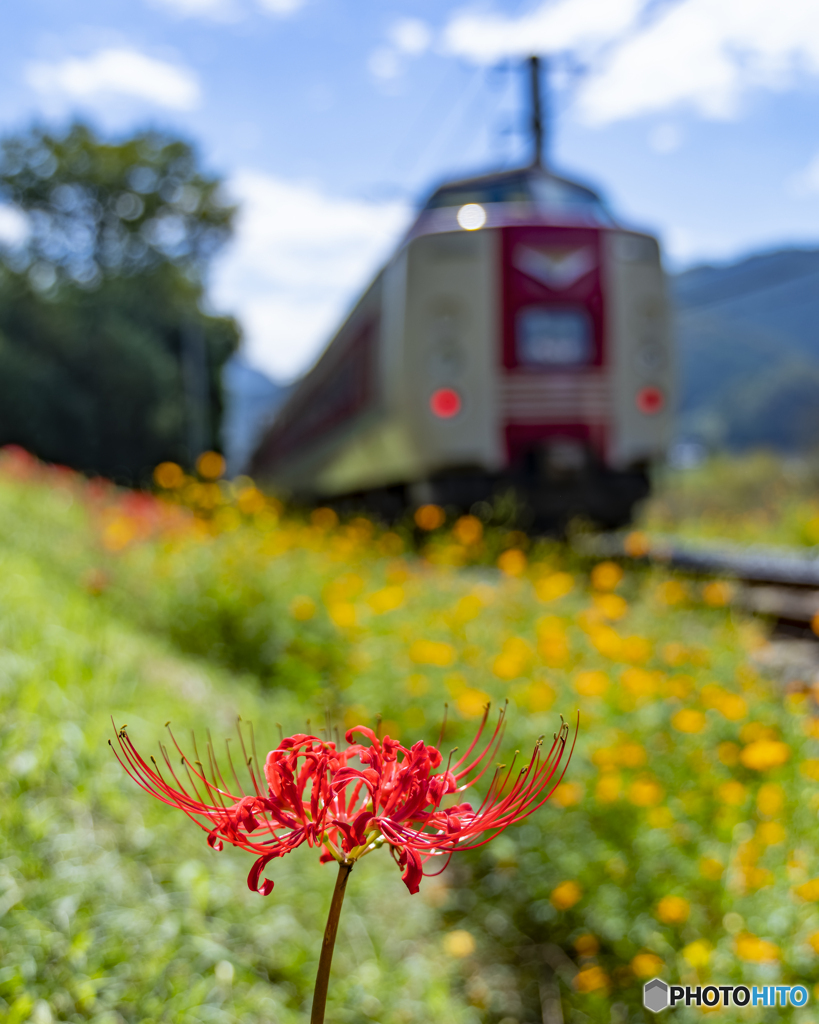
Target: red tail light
x,y
445,402
650,400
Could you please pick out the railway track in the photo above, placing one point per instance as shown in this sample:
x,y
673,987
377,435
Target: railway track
x,y
778,585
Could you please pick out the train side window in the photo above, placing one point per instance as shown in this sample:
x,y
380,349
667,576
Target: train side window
x,y
546,336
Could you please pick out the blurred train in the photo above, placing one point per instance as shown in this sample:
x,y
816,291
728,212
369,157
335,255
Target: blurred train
x,y
517,341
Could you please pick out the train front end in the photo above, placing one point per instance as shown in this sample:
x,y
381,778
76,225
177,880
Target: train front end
x,y
537,340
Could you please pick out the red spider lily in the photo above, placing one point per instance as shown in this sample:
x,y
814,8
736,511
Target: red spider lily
x,y
308,791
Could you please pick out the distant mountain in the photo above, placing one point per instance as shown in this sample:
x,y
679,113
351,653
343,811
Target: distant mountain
x,y
748,351
251,399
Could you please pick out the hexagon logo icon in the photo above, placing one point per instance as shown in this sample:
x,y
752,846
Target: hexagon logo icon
x,y
655,995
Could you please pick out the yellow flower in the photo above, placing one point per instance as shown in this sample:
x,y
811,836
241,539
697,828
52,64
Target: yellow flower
x,y
169,476
539,696
472,703
770,799
251,501
432,652
813,940
645,792
459,943
586,945
636,544
810,768
711,868
469,607
591,684
512,562
606,640
729,704
565,895
673,910
343,614
513,660
606,576
732,793
689,720
717,594
608,788
631,755
302,608
636,649
554,650
808,890
468,530
751,947
647,965
671,593
674,654
386,600
611,606
568,794
591,979
697,953
210,465
764,754
769,833
552,587
429,517
638,682
324,518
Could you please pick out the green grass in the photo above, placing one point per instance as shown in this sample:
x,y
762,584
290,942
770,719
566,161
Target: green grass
x,y
671,848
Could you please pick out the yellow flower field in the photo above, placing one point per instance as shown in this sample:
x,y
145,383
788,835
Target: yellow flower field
x,y
681,843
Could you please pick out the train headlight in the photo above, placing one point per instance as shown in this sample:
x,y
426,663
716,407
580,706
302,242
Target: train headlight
x,y
445,403
650,400
472,216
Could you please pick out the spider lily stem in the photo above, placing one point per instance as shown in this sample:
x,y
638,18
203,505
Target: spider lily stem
x,y
328,944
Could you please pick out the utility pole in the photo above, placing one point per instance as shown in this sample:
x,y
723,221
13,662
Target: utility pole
x,y
538,118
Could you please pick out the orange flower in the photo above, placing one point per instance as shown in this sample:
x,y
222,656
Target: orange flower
x,y
565,895
673,910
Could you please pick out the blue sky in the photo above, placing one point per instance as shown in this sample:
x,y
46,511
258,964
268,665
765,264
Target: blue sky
x,y
329,118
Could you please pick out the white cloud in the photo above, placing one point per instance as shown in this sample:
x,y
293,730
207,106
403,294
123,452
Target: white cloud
x,y
118,72
705,54
554,26
299,258
411,35
13,225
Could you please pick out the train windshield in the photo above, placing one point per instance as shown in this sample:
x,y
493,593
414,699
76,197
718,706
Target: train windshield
x,y
549,194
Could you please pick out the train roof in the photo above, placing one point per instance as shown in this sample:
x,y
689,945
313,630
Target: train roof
x,y
549,194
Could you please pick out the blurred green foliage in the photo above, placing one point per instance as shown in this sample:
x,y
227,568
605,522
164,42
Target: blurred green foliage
x,y
107,362
681,842
759,497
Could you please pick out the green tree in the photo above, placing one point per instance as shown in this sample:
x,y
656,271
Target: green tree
x,y
107,361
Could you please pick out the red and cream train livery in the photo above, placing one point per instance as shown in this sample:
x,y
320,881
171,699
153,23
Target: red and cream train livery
x,y
517,340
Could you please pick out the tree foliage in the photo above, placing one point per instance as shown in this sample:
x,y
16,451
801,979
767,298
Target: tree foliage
x,y
107,361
